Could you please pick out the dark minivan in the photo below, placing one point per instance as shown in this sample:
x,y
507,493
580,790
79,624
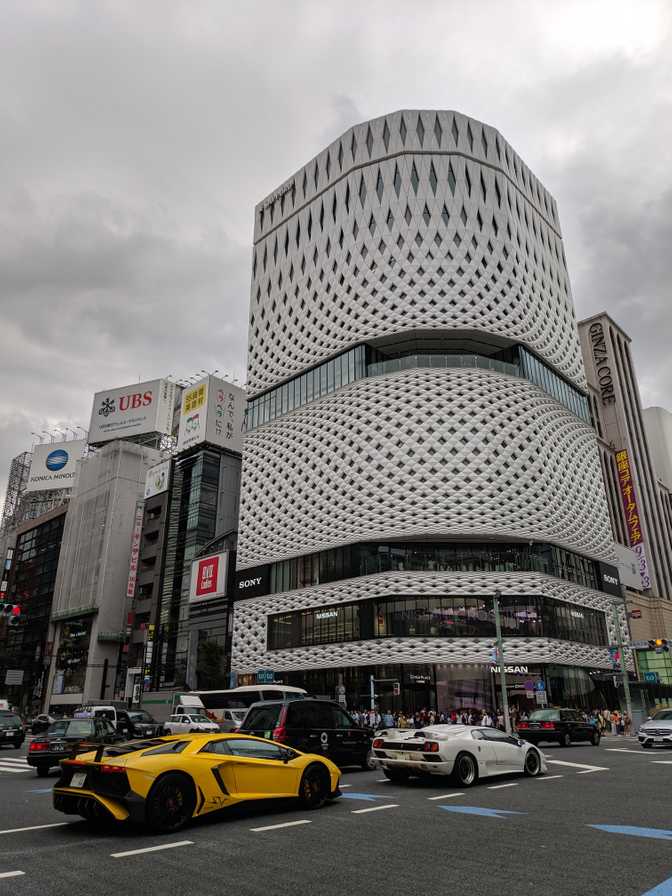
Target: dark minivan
x,y
564,726
312,726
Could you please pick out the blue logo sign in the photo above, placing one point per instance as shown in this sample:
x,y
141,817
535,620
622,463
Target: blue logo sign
x,y
539,686
265,676
652,677
57,460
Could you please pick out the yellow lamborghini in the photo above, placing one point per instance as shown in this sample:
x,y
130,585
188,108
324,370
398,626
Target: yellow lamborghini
x,y
163,782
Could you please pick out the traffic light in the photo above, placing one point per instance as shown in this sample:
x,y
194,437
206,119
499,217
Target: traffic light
x,y
660,645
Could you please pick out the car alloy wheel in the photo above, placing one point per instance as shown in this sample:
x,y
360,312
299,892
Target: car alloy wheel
x,y
566,740
314,787
466,770
370,763
170,803
532,764
595,739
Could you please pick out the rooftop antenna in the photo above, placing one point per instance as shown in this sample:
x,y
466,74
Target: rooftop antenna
x,y
44,431
37,436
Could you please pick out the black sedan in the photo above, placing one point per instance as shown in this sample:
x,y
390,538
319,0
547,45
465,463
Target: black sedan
x,y
562,726
143,724
66,738
12,731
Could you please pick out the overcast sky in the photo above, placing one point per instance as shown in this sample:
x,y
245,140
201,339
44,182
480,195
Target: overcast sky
x,y
136,137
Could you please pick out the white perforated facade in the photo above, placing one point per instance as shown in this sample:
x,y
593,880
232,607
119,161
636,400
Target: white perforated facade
x,y
414,228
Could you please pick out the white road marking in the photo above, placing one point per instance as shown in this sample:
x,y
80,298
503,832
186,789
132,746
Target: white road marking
x,y
661,762
445,796
14,759
13,768
500,786
137,852
383,781
587,769
549,778
12,873
375,808
344,785
37,827
622,750
275,827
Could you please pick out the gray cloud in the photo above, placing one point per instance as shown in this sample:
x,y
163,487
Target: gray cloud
x,y
136,138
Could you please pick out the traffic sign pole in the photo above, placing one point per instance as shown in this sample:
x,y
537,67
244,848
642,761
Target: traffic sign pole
x,y
502,673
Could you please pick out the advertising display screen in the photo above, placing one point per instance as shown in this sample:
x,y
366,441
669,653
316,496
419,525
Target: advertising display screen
x,y
208,578
157,479
135,410
54,465
212,411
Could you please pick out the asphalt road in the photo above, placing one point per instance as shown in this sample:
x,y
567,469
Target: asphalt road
x,y
423,838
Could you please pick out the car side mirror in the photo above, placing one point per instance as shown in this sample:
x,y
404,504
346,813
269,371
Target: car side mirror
x,y
286,755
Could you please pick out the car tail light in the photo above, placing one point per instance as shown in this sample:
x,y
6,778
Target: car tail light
x,y
280,733
111,769
378,743
430,746
523,725
549,726
37,745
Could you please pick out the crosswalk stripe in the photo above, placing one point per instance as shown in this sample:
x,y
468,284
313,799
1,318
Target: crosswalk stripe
x,y
4,759
13,768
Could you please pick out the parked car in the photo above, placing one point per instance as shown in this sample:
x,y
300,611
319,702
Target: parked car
x,y
164,782
12,732
464,752
41,723
657,730
181,724
66,738
562,726
115,714
312,726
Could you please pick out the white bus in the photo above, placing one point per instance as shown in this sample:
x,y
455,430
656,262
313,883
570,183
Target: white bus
x,y
235,702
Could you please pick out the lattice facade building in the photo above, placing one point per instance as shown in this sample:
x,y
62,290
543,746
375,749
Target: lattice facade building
x,y
419,434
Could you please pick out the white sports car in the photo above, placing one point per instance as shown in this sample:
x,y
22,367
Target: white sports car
x,y
466,752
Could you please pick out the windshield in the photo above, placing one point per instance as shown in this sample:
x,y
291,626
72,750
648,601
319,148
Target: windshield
x,y
141,716
9,721
199,719
544,715
71,728
663,715
264,717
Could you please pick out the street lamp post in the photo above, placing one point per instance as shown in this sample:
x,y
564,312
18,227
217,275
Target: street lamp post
x,y
500,654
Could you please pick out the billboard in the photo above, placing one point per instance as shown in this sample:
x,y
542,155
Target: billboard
x,y
212,411
54,465
628,567
631,511
208,578
157,479
130,411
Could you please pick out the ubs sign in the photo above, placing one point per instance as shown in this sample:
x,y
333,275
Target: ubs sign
x,y
601,358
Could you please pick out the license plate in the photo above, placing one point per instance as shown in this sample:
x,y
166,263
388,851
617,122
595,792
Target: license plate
x,y
58,748
78,779
659,740
9,733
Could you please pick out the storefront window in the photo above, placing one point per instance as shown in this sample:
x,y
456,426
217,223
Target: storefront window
x,y
437,616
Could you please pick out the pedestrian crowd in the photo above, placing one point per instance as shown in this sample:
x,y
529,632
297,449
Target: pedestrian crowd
x,y
605,720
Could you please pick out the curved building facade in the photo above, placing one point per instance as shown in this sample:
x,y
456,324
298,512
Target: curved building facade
x,y
418,430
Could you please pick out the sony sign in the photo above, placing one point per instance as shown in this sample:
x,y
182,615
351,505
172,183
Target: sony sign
x,y
601,359
252,582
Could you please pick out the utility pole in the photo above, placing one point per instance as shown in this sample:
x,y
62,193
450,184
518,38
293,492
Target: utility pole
x,y
616,606
500,653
